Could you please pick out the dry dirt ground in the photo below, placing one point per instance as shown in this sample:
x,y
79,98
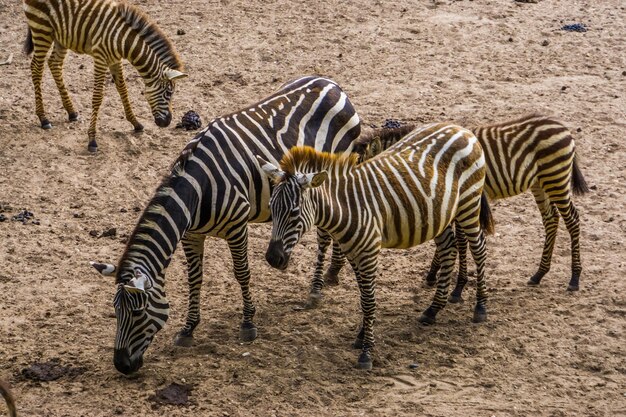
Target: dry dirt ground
x,y
543,351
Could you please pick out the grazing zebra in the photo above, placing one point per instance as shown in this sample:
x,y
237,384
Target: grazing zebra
x,y
109,31
8,397
403,197
216,188
533,152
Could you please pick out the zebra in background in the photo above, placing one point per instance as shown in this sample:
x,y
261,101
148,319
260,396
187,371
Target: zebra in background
x,y
533,152
109,31
216,188
5,391
403,197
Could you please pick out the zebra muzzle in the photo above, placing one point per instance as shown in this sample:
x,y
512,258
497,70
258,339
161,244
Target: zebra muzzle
x,y
123,362
163,121
276,256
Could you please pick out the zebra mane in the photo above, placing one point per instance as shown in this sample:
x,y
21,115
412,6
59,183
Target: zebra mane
x,y
305,159
151,34
391,135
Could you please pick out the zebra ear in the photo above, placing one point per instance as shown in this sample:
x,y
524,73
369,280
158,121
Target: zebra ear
x,y
104,269
313,180
139,283
173,74
375,147
274,173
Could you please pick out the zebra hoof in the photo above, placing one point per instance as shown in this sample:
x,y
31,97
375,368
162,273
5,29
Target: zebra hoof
x,y
314,301
331,278
45,124
365,362
455,299
428,316
572,287
247,332
480,314
92,147
431,280
138,127
183,341
72,117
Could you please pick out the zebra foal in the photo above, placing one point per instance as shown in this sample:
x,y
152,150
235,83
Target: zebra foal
x,y
216,188
109,31
403,197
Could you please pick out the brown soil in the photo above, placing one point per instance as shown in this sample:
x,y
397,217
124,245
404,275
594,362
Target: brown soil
x,y
543,351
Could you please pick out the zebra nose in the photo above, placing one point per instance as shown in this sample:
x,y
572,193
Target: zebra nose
x,y
275,255
163,121
122,362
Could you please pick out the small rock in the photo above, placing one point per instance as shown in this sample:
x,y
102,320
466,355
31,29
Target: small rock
x,y
180,32
93,233
564,88
109,232
136,209
545,42
510,39
244,354
79,215
2,217
123,210
413,366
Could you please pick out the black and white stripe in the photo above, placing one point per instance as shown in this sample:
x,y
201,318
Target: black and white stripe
x,y
405,196
109,31
215,189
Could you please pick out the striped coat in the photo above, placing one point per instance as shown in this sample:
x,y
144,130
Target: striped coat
x,y
109,31
215,189
403,197
535,153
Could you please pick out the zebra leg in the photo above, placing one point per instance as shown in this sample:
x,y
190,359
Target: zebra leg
x,y
479,253
238,245
315,296
435,265
193,245
118,76
570,216
99,72
42,43
365,270
461,279
446,250
55,62
550,219
337,261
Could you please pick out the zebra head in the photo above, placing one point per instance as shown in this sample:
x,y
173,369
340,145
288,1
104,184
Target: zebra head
x,y
159,92
141,310
292,209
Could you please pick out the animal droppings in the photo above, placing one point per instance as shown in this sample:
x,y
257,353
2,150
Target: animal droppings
x,y
173,394
50,371
575,27
190,121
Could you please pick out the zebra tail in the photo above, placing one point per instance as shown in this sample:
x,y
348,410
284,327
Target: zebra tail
x,y
486,219
29,46
8,397
579,185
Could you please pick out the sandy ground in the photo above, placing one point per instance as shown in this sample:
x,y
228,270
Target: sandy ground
x,y
543,351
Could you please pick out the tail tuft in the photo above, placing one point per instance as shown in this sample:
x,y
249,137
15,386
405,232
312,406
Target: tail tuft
x,y
579,185
29,46
486,219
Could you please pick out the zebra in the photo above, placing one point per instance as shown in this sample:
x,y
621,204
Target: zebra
x,y
5,391
403,197
535,152
109,31
216,188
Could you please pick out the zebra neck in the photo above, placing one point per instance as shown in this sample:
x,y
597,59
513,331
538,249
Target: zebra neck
x,y
160,228
140,54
